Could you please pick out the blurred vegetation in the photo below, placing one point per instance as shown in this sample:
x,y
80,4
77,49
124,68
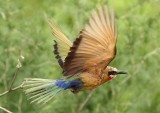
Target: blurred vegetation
x,y
24,30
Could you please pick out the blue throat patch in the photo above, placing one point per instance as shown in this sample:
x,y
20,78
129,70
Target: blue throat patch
x,y
68,84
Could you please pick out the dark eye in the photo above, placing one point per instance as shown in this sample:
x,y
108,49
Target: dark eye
x,y
112,72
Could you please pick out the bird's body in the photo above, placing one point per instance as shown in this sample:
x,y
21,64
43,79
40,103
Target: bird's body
x,y
92,80
84,62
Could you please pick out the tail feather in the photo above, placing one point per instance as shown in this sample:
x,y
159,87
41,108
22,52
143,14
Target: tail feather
x,y
41,90
49,96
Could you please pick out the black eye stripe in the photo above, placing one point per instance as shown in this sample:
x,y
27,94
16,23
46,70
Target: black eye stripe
x,y
112,72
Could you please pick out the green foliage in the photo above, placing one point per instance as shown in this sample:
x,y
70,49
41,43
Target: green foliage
x,y
24,30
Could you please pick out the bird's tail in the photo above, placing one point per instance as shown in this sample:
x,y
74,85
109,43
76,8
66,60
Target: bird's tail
x,y
42,90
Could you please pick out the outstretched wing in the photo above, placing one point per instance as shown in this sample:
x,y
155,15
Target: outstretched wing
x,y
95,46
62,44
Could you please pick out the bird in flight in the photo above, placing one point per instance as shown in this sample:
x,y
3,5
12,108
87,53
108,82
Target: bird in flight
x,y
85,62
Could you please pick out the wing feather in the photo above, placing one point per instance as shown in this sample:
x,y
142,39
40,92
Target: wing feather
x,y
95,46
63,43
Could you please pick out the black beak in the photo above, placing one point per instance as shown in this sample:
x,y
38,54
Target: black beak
x,y
120,72
117,72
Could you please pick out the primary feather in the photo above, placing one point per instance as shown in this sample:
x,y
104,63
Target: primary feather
x,y
95,46
64,43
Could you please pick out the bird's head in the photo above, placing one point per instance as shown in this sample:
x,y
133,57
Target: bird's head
x,y
113,72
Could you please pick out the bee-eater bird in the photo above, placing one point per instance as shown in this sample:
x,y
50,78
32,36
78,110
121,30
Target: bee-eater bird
x,y
84,62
